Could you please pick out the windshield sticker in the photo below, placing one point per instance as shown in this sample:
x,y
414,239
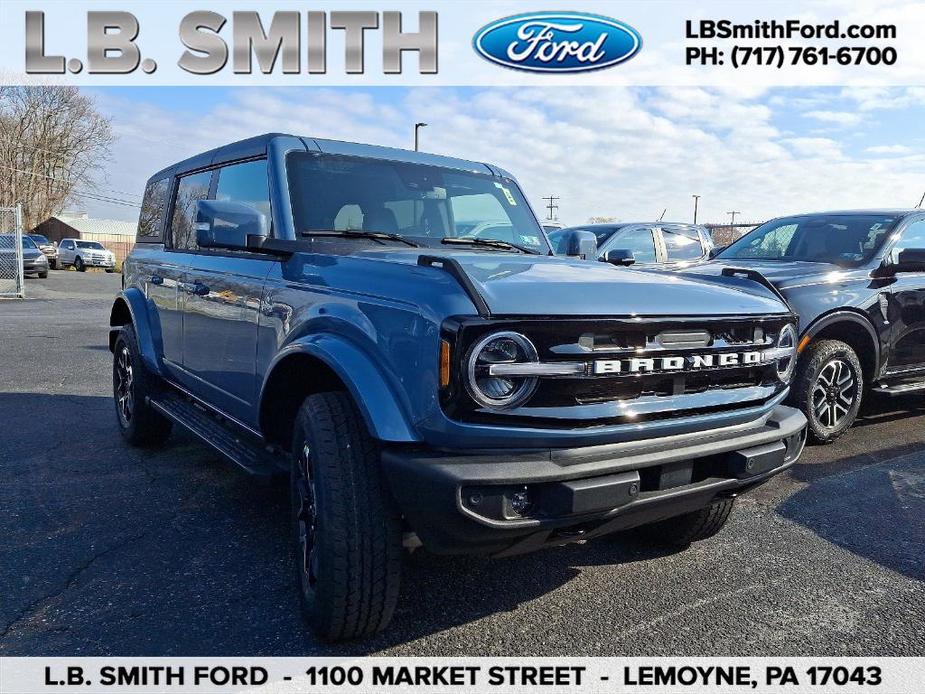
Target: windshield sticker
x,y
507,193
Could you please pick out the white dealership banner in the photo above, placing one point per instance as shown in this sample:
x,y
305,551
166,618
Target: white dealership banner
x,y
726,43
462,675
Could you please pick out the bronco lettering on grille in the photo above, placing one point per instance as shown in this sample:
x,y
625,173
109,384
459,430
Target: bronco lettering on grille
x,y
691,362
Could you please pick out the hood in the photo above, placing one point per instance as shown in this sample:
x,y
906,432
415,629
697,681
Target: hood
x,y
31,253
783,274
514,284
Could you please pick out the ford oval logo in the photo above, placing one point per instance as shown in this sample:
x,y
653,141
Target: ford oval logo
x,y
557,42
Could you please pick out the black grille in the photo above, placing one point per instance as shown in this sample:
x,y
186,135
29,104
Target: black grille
x,y
589,340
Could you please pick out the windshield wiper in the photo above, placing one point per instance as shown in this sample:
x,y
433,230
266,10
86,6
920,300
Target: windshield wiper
x,y
359,234
490,243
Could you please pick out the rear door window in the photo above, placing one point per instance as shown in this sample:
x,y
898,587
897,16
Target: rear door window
x,y
190,190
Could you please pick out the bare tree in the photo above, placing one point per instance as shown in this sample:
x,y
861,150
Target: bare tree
x,y
52,142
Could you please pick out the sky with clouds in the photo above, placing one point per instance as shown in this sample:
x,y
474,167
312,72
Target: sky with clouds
x,y
628,153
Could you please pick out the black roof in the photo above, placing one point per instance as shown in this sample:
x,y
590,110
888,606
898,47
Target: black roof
x,y
257,147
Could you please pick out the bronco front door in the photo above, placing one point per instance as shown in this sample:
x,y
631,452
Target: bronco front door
x,y
222,292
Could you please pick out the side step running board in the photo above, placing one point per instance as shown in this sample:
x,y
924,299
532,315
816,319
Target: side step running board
x,y
901,388
225,437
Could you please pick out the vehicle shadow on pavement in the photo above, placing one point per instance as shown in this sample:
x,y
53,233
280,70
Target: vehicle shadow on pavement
x,y
871,503
106,549
440,592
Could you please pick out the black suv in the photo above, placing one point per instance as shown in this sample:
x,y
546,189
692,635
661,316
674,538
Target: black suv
x,y
857,281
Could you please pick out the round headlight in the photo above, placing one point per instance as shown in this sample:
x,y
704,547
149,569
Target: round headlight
x,y
500,390
787,340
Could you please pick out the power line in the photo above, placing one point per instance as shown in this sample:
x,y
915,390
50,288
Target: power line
x,y
105,198
100,196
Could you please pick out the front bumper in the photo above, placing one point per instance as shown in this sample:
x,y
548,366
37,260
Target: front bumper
x,y
35,265
99,262
460,503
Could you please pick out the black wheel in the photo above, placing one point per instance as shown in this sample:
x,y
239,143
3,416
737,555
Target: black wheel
x,y
110,270
828,388
79,264
347,531
43,275
139,424
681,531
53,264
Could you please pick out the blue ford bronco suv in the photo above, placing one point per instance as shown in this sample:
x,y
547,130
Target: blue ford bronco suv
x,y
392,329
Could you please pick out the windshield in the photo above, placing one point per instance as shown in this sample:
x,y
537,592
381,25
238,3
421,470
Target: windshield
x,y
27,242
91,244
38,238
424,204
848,240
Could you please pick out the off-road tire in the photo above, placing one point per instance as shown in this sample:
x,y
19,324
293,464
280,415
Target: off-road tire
x,y
145,427
811,364
682,530
353,587
79,265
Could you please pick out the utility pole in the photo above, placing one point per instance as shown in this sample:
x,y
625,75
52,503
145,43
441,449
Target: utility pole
x,y
417,128
733,213
552,207
696,201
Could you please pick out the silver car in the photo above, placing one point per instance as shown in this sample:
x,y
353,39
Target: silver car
x,y
34,261
83,254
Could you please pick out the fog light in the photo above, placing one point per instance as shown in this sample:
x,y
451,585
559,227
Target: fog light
x,y
520,501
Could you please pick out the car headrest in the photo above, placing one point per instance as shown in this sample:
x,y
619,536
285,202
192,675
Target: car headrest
x,y
380,219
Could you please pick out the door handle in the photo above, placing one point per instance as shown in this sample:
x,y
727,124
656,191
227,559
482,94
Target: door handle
x,y
157,279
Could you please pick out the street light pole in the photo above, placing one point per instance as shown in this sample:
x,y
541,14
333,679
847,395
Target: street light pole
x,y
696,200
417,128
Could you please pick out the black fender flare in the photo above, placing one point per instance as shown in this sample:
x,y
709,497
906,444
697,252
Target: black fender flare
x,y
843,316
148,337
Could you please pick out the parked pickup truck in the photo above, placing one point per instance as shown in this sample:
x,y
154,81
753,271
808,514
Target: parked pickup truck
x,y
318,307
855,279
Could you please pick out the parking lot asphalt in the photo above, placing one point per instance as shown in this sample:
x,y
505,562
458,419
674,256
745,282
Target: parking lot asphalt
x,y
108,550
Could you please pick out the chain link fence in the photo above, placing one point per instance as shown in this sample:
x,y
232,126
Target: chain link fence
x,y
11,273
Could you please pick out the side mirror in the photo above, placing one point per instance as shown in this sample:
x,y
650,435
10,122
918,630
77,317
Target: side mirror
x,y
715,251
910,260
620,256
581,244
227,224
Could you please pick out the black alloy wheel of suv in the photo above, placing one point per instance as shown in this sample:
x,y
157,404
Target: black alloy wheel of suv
x,y
132,384
828,388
